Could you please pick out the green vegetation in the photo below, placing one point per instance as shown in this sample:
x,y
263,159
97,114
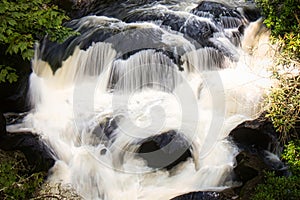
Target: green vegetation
x,y
23,22
278,188
16,181
283,187
284,105
282,17
292,156
7,73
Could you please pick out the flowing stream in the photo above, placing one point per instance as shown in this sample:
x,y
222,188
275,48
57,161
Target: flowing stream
x,y
140,104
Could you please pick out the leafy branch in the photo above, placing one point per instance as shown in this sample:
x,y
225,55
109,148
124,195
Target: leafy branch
x,y
23,22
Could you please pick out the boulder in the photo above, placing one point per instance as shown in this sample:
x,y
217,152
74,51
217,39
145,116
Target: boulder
x,y
165,150
215,9
259,146
37,153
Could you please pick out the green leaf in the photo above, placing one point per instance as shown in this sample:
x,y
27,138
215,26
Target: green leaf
x,y
27,54
12,22
7,74
12,77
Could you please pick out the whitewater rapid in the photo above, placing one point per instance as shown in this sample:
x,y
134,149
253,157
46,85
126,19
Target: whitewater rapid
x,y
112,92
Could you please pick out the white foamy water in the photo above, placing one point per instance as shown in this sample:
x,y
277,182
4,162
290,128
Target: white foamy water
x,y
147,95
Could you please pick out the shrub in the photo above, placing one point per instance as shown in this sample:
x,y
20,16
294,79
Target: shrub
x,y
278,188
23,22
16,182
291,155
284,105
282,17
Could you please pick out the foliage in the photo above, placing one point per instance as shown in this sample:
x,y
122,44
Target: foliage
x,y
23,22
282,17
278,188
284,104
290,44
7,73
291,155
15,181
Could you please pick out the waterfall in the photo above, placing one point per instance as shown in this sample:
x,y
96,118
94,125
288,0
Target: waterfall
x,y
139,104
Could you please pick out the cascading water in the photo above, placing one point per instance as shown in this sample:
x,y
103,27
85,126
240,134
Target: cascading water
x,y
140,104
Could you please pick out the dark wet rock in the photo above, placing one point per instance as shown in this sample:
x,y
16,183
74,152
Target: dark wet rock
x,y
111,8
120,9
259,144
249,166
148,15
134,39
14,95
55,53
37,153
124,41
67,5
192,27
2,124
173,21
256,135
165,150
218,12
199,31
174,57
128,39
216,9
250,171
251,13
79,8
